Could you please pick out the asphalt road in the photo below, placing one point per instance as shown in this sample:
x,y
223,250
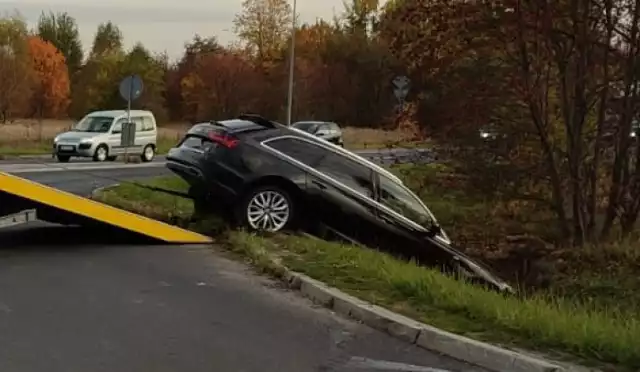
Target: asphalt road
x,y
72,299
385,156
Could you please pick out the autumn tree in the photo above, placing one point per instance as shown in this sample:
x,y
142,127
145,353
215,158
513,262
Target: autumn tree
x,y
365,63
221,85
51,92
361,16
197,47
151,69
311,40
263,25
61,30
108,39
94,84
15,73
545,75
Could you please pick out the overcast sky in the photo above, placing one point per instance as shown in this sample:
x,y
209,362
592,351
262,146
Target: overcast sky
x,y
161,25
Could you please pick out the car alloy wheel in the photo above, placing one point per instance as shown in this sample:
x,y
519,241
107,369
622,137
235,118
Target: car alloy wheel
x,y
268,210
101,153
148,153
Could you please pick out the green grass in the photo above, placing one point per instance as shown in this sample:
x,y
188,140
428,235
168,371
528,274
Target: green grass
x,y
540,321
11,149
166,143
152,203
604,275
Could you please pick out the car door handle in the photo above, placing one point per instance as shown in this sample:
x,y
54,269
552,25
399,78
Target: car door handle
x,y
319,184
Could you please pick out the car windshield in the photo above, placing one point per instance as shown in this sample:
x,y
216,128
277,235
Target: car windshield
x,y
307,127
94,124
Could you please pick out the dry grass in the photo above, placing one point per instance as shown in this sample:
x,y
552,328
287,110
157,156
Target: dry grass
x,y
27,130
374,138
31,136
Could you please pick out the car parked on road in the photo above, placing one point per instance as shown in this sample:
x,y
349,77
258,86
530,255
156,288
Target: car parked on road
x,y
326,130
272,177
98,136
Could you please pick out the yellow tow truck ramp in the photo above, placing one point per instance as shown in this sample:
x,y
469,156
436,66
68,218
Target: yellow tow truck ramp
x,y
19,194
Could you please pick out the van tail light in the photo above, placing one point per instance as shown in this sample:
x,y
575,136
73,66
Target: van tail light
x,y
224,140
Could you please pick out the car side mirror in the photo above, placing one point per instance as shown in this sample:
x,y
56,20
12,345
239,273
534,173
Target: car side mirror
x,y
321,132
434,230
116,131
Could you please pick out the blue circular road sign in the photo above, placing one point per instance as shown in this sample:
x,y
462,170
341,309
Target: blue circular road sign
x,y
131,87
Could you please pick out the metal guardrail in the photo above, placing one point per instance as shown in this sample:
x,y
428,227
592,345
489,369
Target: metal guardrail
x,y
399,156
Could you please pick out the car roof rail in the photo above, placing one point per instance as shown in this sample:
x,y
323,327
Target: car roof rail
x,y
257,119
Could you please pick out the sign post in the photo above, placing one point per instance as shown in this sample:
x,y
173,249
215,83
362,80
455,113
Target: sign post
x,y
401,89
130,89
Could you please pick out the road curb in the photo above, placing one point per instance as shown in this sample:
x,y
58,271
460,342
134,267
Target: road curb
x,y
97,190
481,354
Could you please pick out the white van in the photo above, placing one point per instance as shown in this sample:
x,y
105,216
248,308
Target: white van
x,y
98,136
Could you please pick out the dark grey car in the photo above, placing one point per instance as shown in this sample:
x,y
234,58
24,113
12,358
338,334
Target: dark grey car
x,y
267,176
326,130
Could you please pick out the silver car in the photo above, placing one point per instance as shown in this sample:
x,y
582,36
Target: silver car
x,y
326,130
98,135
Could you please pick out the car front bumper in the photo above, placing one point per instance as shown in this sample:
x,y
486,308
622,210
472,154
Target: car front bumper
x,y
74,149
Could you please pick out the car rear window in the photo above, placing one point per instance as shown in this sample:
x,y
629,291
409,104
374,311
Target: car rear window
x,y
193,142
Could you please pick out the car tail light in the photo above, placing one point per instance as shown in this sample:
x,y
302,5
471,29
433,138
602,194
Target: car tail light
x,y
223,139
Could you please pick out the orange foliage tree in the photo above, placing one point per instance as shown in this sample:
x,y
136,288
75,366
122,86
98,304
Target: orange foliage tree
x,y
51,94
220,85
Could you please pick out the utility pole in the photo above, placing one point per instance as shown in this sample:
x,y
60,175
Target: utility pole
x,y
292,58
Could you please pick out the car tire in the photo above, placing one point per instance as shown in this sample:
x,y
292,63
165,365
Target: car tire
x,y
112,158
63,158
148,154
101,154
270,202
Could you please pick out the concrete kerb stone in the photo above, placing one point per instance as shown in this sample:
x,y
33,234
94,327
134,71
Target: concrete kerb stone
x,y
481,354
97,190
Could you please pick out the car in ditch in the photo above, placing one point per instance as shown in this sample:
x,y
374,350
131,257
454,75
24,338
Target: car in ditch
x,y
326,130
271,177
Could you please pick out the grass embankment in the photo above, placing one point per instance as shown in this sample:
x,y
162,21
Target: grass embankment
x,y
539,321
606,275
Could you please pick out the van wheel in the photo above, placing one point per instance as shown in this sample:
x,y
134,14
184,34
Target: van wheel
x,y
148,153
101,154
63,158
266,208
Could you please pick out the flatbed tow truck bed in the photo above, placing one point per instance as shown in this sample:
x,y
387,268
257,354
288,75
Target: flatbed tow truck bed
x,y
23,201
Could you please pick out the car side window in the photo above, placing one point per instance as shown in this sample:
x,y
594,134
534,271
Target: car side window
x,y
138,122
340,168
147,124
193,142
117,127
347,171
396,198
301,151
